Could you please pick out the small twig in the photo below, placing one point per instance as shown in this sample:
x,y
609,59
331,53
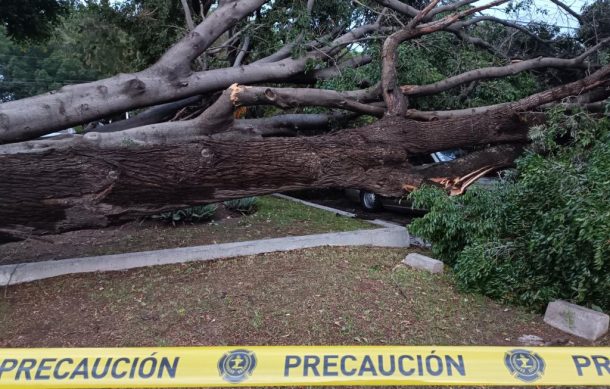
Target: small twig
x,y
397,285
10,277
243,50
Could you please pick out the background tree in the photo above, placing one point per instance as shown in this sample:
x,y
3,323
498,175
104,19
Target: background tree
x,y
595,22
84,45
31,19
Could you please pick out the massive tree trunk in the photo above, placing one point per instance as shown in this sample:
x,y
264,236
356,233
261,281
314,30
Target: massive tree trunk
x,y
84,186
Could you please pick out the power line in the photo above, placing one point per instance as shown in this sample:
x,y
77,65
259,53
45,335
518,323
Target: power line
x,y
64,82
2,77
23,56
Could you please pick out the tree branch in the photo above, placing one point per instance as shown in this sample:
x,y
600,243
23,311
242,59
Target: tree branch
x,y
568,10
331,71
187,15
101,186
298,97
310,4
598,79
500,71
399,7
243,50
407,10
169,79
282,53
449,7
152,115
293,122
179,56
393,97
503,22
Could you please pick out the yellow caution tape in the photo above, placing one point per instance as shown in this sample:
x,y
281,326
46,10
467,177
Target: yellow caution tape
x,y
302,365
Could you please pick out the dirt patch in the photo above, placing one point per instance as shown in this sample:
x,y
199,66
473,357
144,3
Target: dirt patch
x,y
275,218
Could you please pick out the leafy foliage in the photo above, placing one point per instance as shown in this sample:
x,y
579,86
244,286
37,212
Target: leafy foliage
x,y
596,21
94,39
152,26
93,34
33,69
86,45
247,205
542,233
199,213
434,58
288,22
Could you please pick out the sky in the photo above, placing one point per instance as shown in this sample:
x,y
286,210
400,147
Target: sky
x,y
542,11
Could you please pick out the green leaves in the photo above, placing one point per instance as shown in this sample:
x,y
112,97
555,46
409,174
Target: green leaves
x,y
542,235
247,205
198,213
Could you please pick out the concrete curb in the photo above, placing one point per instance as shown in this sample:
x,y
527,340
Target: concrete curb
x,y
377,222
413,240
26,272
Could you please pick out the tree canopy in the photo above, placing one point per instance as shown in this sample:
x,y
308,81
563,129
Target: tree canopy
x,y
235,98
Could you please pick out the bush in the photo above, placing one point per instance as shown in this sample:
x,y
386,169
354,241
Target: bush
x,y
198,213
542,233
247,205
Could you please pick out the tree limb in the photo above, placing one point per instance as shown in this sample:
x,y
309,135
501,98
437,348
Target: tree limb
x,y
152,115
449,7
101,186
179,56
500,71
395,101
569,10
598,79
293,122
76,104
503,22
332,71
187,15
168,80
243,50
297,97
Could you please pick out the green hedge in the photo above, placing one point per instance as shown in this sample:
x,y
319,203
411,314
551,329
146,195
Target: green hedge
x,y
540,234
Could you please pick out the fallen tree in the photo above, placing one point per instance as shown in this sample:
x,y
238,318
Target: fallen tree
x,y
104,177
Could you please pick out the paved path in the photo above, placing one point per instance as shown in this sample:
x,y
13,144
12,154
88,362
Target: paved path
x,y
390,235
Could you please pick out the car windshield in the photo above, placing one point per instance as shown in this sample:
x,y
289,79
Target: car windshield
x,y
445,155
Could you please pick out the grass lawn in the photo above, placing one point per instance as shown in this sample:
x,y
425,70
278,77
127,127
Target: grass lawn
x,y
315,296
275,218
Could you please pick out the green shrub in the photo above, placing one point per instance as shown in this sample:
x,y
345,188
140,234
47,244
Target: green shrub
x,y
199,213
247,205
541,234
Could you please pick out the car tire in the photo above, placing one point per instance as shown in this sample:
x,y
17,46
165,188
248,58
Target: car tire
x,y
370,201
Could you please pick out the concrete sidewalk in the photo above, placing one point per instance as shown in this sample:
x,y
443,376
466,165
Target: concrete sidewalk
x,y
26,272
